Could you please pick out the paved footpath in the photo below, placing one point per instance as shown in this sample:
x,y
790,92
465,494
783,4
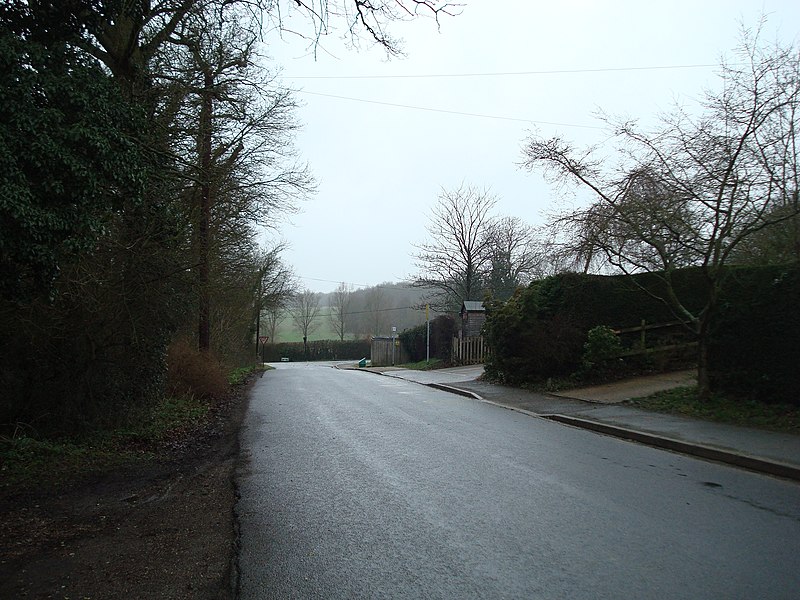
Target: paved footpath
x,y
599,408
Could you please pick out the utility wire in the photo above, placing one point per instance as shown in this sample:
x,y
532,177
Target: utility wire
x,y
378,310
450,112
495,74
365,285
507,74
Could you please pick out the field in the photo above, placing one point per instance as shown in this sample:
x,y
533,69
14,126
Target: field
x,y
287,331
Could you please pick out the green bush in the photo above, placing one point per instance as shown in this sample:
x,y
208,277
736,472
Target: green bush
x,y
414,340
602,344
544,330
527,344
317,350
754,350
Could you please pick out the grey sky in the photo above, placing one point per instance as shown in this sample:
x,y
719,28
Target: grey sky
x,y
380,166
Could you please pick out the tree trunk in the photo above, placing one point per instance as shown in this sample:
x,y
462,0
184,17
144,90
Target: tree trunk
x,y
203,226
703,335
703,379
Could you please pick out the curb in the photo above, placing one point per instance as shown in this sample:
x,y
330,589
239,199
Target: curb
x,y
454,390
750,463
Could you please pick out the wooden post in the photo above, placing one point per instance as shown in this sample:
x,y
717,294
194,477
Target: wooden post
x,y
642,335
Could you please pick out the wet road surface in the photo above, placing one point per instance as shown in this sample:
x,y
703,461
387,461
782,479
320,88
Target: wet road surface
x,y
362,486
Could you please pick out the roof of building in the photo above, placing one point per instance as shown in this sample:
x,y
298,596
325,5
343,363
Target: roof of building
x,y
473,306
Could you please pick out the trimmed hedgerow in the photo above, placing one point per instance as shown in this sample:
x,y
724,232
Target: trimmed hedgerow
x,y
542,330
317,350
443,330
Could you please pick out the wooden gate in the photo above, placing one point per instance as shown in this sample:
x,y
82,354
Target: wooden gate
x,y
469,351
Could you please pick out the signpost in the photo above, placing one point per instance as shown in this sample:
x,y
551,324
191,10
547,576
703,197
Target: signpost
x,y
428,334
263,339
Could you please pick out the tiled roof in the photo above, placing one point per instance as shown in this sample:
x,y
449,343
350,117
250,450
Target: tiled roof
x,y
473,306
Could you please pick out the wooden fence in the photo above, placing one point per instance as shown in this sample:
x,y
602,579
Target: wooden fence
x,y
669,337
469,351
387,351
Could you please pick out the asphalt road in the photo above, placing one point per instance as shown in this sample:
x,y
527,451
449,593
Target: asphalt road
x,y
362,486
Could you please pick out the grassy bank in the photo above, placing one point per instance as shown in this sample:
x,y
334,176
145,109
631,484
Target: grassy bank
x,y
685,401
27,458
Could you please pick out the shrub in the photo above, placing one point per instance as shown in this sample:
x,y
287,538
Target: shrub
x,y
194,373
414,340
754,351
602,344
317,350
545,329
528,345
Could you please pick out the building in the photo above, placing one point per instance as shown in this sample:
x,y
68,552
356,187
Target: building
x,y
473,315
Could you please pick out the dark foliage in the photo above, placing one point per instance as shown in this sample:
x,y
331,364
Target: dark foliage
x,y
317,350
754,350
414,340
67,159
541,331
529,339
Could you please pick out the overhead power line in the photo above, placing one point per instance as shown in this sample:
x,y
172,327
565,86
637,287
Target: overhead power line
x,y
367,285
508,73
450,112
381,310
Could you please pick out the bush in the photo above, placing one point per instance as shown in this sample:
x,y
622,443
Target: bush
x,y
753,351
545,329
443,330
317,350
602,344
194,373
541,331
526,344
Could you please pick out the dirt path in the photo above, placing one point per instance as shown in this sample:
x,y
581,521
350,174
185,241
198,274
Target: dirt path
x,y
164,529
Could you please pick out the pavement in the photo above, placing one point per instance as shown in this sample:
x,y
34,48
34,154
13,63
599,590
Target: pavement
x,y
602,409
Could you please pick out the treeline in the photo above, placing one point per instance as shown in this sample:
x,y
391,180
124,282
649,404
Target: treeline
x,y
141,147
347,313
373,311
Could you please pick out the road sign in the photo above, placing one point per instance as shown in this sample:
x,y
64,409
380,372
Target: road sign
x,y
262,339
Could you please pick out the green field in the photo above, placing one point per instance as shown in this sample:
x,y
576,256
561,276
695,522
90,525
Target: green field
x,y
288,332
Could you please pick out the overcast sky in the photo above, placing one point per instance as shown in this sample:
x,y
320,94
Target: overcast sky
x,y
478,87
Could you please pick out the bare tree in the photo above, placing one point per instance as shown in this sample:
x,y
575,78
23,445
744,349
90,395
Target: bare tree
x,y
275,285
341,301
516,256
377,305
304,308
233,134
696,189
271,319
359,17
454,261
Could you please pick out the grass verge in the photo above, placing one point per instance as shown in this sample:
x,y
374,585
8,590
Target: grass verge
x,y
26,459
435,363
685,401
240,375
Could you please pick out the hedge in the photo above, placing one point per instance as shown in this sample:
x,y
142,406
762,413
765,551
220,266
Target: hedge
x,y
755,342
443,330
541,331
317,350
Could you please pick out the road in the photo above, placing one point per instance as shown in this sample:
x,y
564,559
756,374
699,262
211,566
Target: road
x,y
362,486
